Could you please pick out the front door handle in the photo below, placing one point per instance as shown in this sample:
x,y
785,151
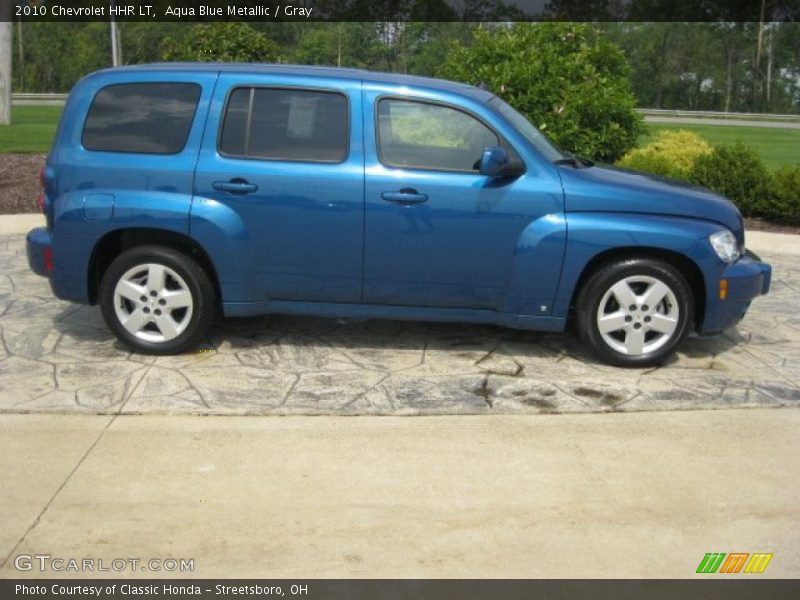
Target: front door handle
x,y
235,186
405,196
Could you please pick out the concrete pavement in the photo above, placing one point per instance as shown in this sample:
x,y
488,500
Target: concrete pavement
x,y
619,495
20,224
777,243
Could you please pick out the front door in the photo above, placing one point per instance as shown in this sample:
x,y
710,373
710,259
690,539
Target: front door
x,y
285,156
439,234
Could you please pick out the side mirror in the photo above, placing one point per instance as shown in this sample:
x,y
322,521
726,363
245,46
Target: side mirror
x,y
493,160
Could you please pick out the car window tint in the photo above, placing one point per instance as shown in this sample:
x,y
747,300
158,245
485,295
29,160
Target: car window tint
x,y
234,127
284,124
429,136
141,118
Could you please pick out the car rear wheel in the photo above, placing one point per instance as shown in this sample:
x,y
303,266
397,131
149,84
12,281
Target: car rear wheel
x,y
157,300
634,312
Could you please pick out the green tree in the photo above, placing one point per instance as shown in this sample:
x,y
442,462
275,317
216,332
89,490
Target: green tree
x,y
569,80
230,42
428,44
342,44
712,66
145,42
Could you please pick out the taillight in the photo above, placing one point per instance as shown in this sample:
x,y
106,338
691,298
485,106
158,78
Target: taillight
x,y
40,202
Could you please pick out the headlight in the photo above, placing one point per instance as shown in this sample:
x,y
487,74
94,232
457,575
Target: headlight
x,y
724,244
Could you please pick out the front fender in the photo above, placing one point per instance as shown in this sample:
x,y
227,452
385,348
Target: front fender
x,y
536,267
591,233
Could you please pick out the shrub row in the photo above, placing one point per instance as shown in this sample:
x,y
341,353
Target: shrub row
x,y
735,171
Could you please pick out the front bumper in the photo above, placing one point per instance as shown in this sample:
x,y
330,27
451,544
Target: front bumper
x,y
746,279
39,246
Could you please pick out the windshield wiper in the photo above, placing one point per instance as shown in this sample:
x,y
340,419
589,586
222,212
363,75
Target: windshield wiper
x,y
575,161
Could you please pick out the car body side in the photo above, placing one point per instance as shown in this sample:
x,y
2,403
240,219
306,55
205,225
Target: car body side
x,y
96,202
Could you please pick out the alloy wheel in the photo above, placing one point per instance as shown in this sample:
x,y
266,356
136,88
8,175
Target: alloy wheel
x,y
638,315
153,302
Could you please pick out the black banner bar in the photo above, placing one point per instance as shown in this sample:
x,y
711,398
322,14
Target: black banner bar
x,y
711,588
402,10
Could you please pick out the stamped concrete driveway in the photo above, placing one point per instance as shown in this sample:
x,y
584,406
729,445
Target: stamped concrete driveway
x,y
59,357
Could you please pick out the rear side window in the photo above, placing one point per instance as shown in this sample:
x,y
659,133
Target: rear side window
x,y
285,124
141,118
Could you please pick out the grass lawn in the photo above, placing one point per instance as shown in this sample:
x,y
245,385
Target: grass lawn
x,y
777,147
32,129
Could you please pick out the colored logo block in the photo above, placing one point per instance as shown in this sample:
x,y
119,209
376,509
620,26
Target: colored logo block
x,y
734,562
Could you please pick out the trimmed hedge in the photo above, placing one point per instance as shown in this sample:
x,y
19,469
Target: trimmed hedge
x,y
737,173
670,154
732,170
783,205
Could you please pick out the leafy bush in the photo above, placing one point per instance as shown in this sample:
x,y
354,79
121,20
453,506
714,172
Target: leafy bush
x,y
650,162
567,79
671,154
783,204
736,172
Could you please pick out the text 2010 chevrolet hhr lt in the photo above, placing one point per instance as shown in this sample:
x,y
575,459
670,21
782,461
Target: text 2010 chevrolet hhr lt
x,y
174,191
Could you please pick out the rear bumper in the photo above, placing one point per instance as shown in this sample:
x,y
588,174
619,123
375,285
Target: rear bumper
x,y
39,246
746,279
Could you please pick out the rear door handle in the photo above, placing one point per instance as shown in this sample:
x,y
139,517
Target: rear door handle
x,y
235,186
405,196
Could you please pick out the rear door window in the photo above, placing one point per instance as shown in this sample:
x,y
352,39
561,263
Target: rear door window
x,y
285,124
141,118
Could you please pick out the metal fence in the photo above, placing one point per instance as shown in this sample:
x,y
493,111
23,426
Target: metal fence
x,y
38,99
711,114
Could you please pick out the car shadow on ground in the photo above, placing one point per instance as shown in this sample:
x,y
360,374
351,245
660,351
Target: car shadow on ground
x,y
237,334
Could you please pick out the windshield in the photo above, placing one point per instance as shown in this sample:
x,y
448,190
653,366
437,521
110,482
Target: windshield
x,y
547,148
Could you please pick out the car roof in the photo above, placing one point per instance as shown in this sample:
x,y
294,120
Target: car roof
x,y
316,71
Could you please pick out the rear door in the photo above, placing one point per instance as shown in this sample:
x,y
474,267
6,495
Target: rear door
x,y
284,155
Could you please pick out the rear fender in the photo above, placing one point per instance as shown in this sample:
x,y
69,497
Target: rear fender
x,y
83,217
227,240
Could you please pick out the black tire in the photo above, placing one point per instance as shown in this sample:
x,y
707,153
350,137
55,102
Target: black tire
x,y
633,272
198,284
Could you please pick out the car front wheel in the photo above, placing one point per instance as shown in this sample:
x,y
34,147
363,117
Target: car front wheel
x,y
634,312
157,300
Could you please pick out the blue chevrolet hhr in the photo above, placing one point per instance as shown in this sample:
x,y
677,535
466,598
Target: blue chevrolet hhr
x,y
174,192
